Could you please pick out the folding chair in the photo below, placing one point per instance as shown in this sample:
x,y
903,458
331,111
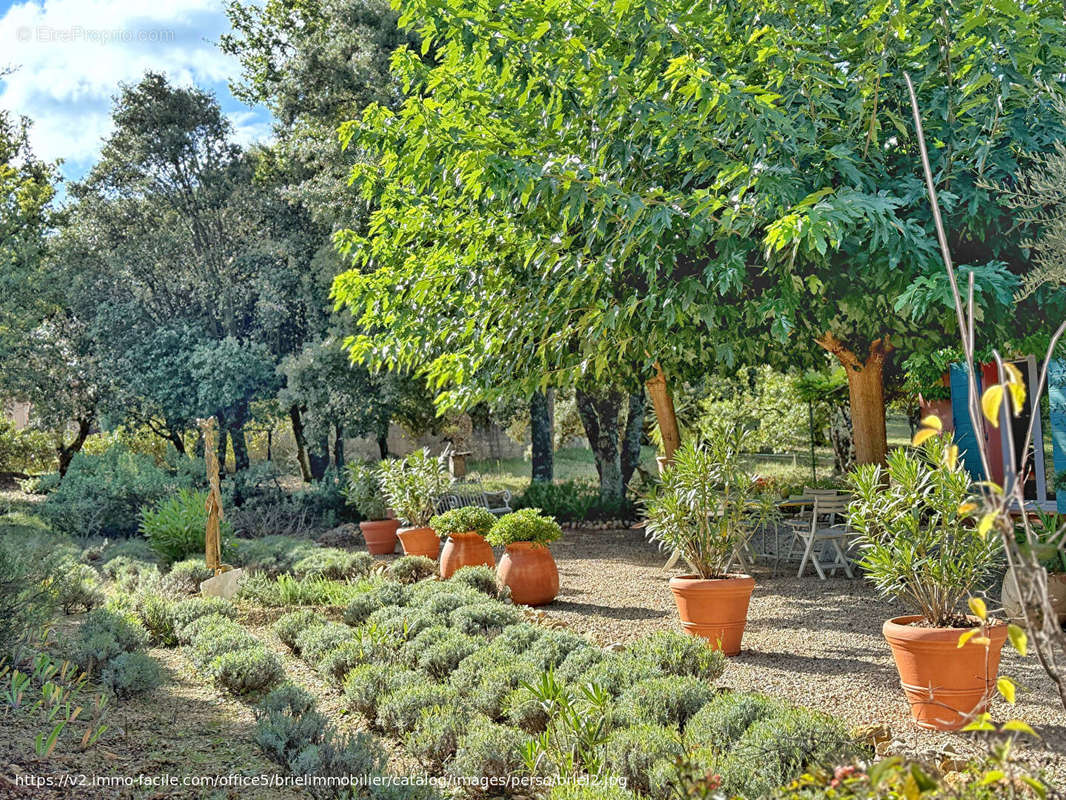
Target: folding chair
x,y
828,527
801,522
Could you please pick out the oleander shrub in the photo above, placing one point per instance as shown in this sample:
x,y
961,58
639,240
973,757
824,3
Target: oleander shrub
x,y
365,685
289,627
334,564
632,752
553,647
411,569
433,739
105,635
271,555
131,673
481,578
77,587
175,526
485,618
491,752
398,711
776,749
188,611
246,671
721,722
316,641
669,700
443,656
185,577
679,654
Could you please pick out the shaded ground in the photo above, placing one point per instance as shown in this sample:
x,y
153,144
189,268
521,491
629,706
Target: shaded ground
x,y
816,643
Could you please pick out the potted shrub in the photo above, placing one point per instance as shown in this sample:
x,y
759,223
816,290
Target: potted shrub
x,y
921,545
411,486
1048,533
362,490
527,567
465,529
705,508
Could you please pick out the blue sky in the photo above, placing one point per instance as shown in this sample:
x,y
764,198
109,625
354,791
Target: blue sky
x,y
71,56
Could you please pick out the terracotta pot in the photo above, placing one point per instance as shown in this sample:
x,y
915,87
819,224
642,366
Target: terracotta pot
x,y
530,572
1056,589
379,535
714,608
419,542
465,550
944,683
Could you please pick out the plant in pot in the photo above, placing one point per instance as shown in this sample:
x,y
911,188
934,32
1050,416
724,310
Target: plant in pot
x,y
465,529
527,566
705,508
362,490
411,486
921,544
1048,544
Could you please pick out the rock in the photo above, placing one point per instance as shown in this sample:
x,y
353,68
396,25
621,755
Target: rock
x,y
224,585
346,535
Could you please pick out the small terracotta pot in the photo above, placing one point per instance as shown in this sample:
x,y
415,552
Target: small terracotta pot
x,y
465,550
419,542
379,535
714,608
529,571
945,684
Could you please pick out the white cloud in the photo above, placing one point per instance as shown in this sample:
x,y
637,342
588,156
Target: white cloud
x,y
71,55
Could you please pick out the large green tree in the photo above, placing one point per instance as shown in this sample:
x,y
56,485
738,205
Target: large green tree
x,y
575,191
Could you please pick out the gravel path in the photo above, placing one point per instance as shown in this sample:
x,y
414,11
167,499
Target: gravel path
x,y
815,643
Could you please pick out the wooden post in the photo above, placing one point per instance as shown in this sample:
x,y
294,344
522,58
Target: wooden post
x,y
663,404
213,534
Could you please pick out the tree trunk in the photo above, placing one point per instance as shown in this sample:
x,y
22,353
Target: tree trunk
x,y
66,452
631,438
177,439
220,450
240,449
665,414
319,459
599,416
383,442
867,396
540,426
301,442
338,448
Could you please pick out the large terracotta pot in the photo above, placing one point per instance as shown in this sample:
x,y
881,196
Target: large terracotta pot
x,y
945,684
465,550
1056,589
379,535
529,571
419,542
714,608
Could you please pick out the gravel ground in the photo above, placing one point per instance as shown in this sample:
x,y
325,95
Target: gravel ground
x,y
815,643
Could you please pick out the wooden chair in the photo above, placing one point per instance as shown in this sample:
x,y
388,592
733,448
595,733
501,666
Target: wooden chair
x,y
827,527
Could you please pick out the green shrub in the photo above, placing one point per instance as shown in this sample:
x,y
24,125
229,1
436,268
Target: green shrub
x,y
442,597
481,578
578,663
245,671
286,590
412,569
434,737
577,791
287,722
484,618
361,607
776,749
524,525
289,627
316,641
334,564
135,550
105,635
401,622
362,490
524,709
211,641
156,613
188,611
271,555
553,647
721,722
632,752
103,494
519,638
398,711
338,662
618,672
131,673
175,527
185,577
120,567
443,656
670,700
25,449
491,752
574,501
77,587
365,685
679,654
491,689
468,519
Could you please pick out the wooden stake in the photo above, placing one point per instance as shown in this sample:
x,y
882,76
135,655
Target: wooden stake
x,y
663,404
213,534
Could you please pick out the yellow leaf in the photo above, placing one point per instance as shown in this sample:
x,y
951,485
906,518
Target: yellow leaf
x,y
965,637
1017,394
980,724
1007,689
1034,784
991,400
953,456
1014,375
986,523
1018,638
1017,726
993,776
933,421
921,436
967,508
978,607
981,641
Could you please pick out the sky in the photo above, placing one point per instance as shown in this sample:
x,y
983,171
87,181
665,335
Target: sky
x,y
71,55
